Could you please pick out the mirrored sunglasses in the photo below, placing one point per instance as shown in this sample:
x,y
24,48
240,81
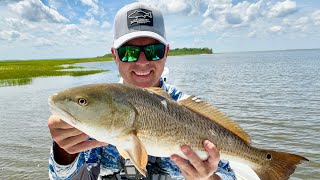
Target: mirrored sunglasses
x,y
153,52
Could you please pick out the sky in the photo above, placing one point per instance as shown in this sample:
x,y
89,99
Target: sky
x,y
49,29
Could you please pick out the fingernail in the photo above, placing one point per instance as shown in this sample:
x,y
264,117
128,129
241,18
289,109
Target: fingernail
x,y
208,144
173,158
185,148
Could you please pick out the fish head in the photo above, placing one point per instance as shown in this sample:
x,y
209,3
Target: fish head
x,y
101,110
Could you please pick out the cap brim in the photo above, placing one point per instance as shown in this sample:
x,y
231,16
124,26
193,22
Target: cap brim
x,y
127,37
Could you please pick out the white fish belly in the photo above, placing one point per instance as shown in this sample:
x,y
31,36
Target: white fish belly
x,y
167,151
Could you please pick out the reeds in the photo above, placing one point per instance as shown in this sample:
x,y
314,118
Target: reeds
x,y
21,72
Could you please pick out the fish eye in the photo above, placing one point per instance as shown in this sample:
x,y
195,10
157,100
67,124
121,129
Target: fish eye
x,y
82,102
269,156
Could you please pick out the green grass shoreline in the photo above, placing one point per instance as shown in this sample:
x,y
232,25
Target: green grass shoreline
x,y
21,72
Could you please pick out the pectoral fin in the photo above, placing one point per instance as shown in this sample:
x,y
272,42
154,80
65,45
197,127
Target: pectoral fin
x,y
135,151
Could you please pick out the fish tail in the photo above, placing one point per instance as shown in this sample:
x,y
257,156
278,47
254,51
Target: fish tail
x,y
279,165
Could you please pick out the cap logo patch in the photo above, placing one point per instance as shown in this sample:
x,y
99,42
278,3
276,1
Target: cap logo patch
x,y
138,17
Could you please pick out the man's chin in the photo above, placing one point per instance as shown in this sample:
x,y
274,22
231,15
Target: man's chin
x,y
144,84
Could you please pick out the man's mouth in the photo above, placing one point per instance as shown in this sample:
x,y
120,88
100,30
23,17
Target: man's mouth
x,y
142,73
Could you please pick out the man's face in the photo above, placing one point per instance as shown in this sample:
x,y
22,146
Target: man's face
x,y
142,73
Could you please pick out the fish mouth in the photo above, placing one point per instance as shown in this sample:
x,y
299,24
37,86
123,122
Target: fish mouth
x,y
70,119
65,116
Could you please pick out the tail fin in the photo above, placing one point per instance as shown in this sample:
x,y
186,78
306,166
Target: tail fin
x,y
279,165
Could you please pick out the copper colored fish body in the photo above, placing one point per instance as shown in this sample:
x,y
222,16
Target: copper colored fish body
x,y
146,121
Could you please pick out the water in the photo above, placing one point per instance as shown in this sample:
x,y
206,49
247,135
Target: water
x,y
274,96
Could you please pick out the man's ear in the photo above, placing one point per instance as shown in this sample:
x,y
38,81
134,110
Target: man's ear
x,y
113,51
114,54
167,50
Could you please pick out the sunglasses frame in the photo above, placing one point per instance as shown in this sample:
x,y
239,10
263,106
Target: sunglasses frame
x,y
141,48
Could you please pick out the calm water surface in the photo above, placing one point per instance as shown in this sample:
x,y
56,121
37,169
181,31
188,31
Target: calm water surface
x,y
274,96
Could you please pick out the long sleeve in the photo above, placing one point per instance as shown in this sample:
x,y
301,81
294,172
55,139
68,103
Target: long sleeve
x,y
224,171
86,166
57,171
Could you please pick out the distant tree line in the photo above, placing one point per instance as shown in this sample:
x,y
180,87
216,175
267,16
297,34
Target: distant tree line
x,y
189,51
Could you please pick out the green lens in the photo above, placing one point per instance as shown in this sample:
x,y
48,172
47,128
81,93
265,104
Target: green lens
x,y
154,52
129,53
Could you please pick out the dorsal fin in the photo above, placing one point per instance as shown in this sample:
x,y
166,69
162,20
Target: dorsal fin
x,y
208,111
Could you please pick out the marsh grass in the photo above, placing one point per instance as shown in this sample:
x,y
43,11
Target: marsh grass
x,y
21,72
15,82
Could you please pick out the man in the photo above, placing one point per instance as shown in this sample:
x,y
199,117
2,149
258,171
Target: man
x,y
140,50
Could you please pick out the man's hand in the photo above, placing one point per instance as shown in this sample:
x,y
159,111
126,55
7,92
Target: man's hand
x,y
197,168
70,140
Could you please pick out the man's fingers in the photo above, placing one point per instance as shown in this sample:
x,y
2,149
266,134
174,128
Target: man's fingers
x,y
54,122
196,168
184,165
61,130
72,141
84,146
214,155
62,134
69,138
194,159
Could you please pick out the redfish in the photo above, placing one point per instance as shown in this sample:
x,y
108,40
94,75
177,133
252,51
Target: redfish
x,y
142,122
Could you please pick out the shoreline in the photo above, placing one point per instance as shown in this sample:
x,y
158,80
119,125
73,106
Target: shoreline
x,y
21,72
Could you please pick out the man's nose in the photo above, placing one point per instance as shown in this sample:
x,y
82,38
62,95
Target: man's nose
x,y
142,59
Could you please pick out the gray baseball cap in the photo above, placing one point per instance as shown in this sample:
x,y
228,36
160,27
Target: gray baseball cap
x,y
138,20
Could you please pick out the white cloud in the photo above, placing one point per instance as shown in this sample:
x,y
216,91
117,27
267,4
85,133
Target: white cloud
x,y
94,7
301,24
222,14
44,42
252,34
91,3
276,29
316,17
89,22
282,9
242,12
256,19
216,8
18,24
213,25
12,35
36,11
9,35
9,1
190,7
106,24
71,29
255,10
55,4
